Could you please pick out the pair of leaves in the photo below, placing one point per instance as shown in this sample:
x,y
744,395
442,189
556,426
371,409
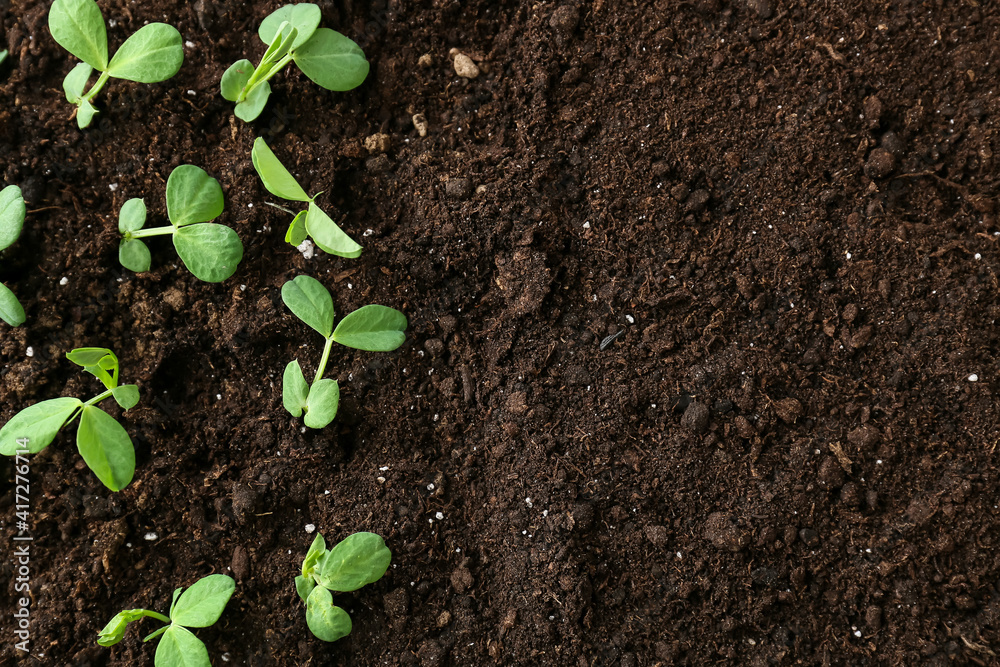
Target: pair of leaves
x,y
210,251
358,560
102,442
319,402
372,328
199,606
292,33
12,211
153,53
314,222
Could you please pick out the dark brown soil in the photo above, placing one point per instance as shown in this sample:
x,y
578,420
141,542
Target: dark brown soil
x,y
787,211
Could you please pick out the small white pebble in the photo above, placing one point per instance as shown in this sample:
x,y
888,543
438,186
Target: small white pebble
x,y
430,487
586,225
527,501
848,255
978,256
368,232
30,351
307,249
64,281
243,288
310,528
631,320
439,516
973,378
218,397
189,44
191,92
113,187
150,536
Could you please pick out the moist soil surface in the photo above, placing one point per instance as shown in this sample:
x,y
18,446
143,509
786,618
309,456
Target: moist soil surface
x,y
785,212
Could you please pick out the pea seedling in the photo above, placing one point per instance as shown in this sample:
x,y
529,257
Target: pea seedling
x,y
103,443
372,328
199,606
357,560
210,251
11,222
292,32
325,233
153,53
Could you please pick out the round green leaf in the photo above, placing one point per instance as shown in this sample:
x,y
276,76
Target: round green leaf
x,y
106,448
132,216
250,108
84,114
134,255
78,27
328,235
332,60
154,53
278,181
322,404
179,647
304,586
127,395
12,210
202,604
210,251
372,328
235,78
297,233
357,560
326,620
11,310
294,389
310,302
193,196
304,17
76,81
39,424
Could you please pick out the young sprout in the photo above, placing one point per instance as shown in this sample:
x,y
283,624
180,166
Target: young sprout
x,y
210,251
103,443
153,53
199,606
292,33
325,233
11,222
359,559
3,56
371,328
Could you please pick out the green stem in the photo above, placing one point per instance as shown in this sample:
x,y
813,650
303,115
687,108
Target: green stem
x,y
155,231
153,614
101,80
97,399
322,362
258,77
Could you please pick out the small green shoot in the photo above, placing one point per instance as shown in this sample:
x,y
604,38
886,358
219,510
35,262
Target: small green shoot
x,y
359,559
103,443
3,56
199,606
210,251
292,33
325,233
371,328
12,212
151,54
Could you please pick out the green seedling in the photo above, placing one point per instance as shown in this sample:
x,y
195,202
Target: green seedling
x,y
210,251
153,53
371,328
103,443
12,212
292,33
3,56
199,606
313,222
359,559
